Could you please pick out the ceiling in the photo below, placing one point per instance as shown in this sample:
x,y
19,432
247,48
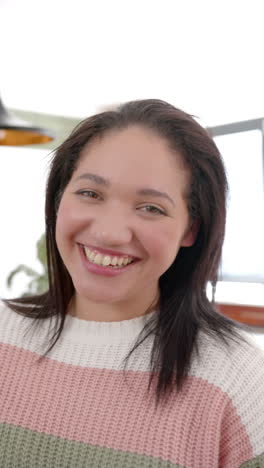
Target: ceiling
x,y
72,58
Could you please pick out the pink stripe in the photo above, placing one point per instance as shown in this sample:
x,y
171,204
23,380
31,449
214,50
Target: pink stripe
x,y
96,406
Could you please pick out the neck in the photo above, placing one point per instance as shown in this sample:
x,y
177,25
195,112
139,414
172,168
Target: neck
x,y
84,309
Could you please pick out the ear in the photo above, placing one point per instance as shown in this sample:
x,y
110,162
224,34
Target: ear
x,y
189,237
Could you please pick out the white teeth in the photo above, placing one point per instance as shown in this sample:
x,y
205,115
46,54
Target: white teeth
x,y
92,256
106,260
98,259
87,251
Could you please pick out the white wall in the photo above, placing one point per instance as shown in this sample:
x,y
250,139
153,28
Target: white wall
x,y
72,57
22,184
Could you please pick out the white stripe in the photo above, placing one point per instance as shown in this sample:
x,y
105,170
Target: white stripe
x,y
92,350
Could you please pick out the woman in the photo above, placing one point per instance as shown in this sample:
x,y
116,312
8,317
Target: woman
x,y
140,370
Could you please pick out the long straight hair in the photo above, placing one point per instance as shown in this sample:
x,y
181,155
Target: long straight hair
x,y
183,307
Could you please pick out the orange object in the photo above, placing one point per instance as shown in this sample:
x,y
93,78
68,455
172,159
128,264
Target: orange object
x,y
251,315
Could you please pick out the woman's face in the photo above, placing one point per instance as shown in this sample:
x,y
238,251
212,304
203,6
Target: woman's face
x,y
125,201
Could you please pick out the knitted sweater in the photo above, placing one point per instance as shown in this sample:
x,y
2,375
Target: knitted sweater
x,y
76,409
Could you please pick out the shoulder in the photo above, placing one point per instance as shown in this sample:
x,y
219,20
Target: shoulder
x,y
234,371
235,368
7,314
14,326
11,323
223,362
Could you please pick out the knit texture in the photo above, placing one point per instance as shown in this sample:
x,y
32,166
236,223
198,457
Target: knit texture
x,y
76,408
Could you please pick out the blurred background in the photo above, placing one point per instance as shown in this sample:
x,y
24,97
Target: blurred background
x,y
62,61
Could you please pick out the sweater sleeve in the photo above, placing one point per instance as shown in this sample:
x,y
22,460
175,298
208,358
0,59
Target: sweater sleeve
x,y
242,432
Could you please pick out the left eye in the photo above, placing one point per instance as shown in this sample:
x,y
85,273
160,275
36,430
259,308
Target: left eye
x,y
88,193
153,209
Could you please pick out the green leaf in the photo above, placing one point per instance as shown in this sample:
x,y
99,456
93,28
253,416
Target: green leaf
x,y
39,282
20,269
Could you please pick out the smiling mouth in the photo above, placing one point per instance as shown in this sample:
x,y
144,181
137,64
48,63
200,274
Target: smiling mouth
x,y
107,260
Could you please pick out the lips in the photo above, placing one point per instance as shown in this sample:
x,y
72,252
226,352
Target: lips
x,y
103,270
105,260
111,253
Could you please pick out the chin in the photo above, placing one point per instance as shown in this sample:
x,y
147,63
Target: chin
x,y
100,296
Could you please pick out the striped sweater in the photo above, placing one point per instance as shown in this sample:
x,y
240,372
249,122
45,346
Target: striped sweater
x,y
76,409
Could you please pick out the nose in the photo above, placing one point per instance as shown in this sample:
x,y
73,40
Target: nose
x,y
110,230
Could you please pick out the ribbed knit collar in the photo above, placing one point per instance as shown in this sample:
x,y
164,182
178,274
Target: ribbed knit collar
x,y
85,331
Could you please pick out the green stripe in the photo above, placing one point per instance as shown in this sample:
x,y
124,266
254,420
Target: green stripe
x,y
23,448
257,462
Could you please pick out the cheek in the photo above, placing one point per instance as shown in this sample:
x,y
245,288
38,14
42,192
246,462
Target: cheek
x,y
61,222
70,220
162,244
66,224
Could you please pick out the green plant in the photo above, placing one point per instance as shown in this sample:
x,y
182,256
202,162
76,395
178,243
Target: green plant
x,y
39,281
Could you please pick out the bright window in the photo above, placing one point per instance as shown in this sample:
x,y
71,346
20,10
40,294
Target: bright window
x,y
243,254
23,173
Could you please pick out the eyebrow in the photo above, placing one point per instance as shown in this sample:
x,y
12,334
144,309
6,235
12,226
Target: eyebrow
x,y
95,178
106,183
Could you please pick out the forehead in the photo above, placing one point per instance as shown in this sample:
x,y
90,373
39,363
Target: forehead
x,y
137,154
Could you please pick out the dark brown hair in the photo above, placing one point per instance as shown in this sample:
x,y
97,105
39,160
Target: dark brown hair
x,y
184,307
